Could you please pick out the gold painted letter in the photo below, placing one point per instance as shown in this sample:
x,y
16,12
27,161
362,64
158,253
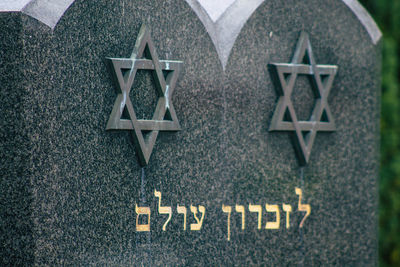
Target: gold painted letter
x,y
197,226
257,208
163,210
288,210
182,210
275,209
142,211
228,209
303,207
240,209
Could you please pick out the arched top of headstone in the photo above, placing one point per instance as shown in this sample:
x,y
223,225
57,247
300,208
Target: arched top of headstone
x,y
365,18
47,11
223,19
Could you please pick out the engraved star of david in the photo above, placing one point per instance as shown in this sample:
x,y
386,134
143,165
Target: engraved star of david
x,y
144,57
285,118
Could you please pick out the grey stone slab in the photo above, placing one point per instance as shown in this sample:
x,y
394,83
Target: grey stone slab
x,y
69,187
333,180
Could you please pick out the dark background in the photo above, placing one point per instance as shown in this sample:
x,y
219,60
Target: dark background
x,y
387,15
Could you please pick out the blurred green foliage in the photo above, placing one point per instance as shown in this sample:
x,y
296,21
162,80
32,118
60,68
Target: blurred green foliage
x,y
387,15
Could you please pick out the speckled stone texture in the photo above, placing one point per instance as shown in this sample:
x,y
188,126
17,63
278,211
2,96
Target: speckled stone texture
x,y
69,188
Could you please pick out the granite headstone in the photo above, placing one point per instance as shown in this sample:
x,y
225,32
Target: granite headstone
x,y
188,133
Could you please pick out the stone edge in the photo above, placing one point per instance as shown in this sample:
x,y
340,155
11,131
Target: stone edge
x,y
48,12
366,20
226,28
223,36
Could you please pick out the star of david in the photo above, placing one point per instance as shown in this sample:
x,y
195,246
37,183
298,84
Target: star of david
x,y
144,57
285,118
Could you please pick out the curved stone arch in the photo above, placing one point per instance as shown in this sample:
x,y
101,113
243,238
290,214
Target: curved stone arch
x,y
48,12
224,25
366,20
223,21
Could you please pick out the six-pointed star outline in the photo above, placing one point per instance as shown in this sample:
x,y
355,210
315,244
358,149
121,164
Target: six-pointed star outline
x,y
285,118
144,56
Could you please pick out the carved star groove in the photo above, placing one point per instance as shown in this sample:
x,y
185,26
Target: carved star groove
x,y
144,57
285,118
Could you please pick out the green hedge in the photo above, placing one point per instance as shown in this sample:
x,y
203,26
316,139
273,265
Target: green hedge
x,y
387,15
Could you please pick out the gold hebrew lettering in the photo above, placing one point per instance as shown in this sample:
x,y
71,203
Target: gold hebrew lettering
x,y
228,209
288,210
163,210
142,211
303,207
240,209
257,208
197,226
182,210
277,222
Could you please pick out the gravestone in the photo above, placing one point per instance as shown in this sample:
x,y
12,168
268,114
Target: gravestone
x,y
188,133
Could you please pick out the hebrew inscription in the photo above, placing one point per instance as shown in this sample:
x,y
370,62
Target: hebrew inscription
x,y
270,212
